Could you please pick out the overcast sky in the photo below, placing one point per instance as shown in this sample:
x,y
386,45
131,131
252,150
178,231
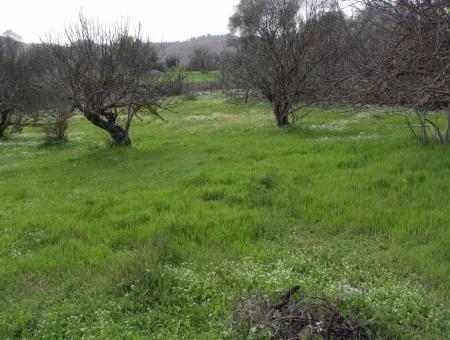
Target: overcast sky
x,y
162,20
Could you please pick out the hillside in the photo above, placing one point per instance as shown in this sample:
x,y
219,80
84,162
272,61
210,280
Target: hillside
x,y
184,49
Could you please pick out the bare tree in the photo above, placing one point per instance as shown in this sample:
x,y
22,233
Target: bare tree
x,y
405,49
201,59
12,35
280,46
16,86
106,75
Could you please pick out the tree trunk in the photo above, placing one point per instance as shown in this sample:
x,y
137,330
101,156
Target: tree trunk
x,y
447,133
281,112
117,133
4,121
282,120
423,127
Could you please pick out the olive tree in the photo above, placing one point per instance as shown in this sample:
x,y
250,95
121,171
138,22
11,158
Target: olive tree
x,y
280,47
16,85
105,72
202,59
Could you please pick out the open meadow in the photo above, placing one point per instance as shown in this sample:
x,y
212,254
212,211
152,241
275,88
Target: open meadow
x,y
199,77
161,239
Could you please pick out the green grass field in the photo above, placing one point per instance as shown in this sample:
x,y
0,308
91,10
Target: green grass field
x,y
159,240
199,77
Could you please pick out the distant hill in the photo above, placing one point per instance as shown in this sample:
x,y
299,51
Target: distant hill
x,y
184,49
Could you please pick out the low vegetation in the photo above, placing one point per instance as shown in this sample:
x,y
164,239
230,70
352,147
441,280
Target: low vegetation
x,y
200,228
213,206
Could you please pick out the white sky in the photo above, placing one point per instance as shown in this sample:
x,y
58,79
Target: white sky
x,y
162,20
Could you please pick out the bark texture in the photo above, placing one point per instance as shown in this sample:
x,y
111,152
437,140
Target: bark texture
x,y
4,121
281,112
117,133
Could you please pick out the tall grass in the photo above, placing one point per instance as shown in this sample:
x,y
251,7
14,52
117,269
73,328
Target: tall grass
x,y
216,203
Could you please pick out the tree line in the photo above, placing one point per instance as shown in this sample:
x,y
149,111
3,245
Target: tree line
x,y
291,53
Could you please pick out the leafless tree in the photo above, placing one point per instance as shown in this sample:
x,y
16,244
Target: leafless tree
x,y
280,46
405,59
106,75
16,86
201,59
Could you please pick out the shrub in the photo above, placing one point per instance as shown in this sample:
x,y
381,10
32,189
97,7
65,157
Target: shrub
x,y
56,130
